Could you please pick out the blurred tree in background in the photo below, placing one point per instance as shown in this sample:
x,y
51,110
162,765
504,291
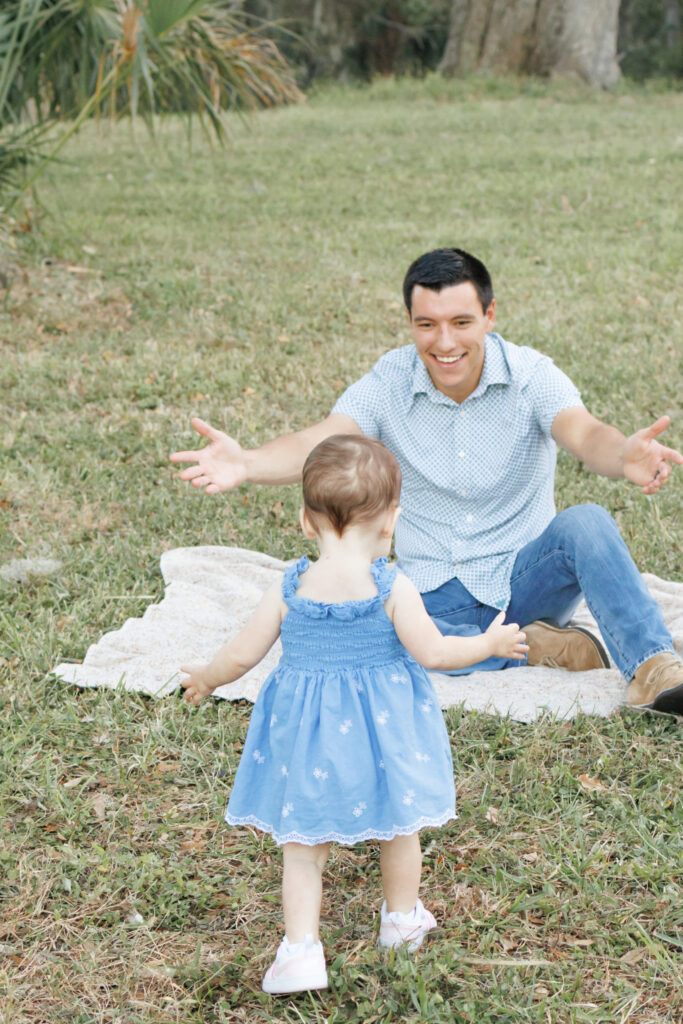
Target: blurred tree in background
x,y
358,38
354,39
651,38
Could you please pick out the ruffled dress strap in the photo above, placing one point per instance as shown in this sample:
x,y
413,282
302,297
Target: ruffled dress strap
x,y
384,576
290,579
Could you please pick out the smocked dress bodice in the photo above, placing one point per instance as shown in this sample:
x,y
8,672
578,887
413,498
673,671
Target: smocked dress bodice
x,y
319,636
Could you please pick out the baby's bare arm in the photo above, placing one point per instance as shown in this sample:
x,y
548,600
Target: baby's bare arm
x,y
421,638
242,653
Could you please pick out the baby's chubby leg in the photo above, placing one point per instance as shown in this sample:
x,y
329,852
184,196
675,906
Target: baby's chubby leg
x,y
403,920
401,864
302,889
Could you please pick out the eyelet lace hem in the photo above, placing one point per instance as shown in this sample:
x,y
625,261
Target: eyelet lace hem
x,y
338,837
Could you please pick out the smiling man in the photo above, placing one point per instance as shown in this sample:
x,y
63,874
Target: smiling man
x,y
474,421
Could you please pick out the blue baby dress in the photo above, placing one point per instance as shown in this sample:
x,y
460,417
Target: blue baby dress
x,y
346,741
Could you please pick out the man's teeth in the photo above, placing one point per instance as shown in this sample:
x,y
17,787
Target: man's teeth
x,y
448,359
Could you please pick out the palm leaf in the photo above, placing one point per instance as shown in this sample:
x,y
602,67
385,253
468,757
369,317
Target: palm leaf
x,y
69,59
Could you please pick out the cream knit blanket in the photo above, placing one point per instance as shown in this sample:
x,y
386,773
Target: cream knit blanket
x,y
211,591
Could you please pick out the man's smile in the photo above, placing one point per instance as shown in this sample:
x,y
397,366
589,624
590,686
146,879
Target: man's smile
x,y
449,359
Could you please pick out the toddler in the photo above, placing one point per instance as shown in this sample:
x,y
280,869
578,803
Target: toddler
x,y
346,741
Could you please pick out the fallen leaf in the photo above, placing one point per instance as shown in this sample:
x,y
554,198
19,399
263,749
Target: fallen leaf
x,y
492,815
634,956
99,806
573,940
591,784
72,783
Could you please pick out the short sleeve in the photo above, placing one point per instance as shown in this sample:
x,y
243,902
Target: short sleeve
x,y
362,402
548,390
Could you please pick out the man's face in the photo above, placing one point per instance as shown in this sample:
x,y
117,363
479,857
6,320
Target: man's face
x,y
449,329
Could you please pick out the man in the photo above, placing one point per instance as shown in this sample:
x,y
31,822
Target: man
x,y
474,421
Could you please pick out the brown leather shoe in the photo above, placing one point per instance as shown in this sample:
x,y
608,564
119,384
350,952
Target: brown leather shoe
x,y
569,647
658,684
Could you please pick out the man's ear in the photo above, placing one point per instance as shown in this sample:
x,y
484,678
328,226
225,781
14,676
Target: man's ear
x,y
490,313
306,525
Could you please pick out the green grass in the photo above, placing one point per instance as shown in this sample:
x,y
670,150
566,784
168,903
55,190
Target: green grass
x,y
250,285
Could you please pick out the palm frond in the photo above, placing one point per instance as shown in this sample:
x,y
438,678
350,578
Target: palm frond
x,y
67,60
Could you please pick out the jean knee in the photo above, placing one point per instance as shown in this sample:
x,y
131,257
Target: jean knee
x,y
589,529
589,517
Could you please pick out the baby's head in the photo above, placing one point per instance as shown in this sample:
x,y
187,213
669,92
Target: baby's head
x,y
349,479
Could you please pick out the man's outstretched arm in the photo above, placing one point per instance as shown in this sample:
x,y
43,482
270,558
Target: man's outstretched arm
x,y
639,458
223,464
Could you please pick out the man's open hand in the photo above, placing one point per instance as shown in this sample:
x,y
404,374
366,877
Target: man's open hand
x,y
220,466
646,461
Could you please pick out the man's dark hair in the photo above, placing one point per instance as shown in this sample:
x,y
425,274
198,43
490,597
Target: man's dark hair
x,y
442,268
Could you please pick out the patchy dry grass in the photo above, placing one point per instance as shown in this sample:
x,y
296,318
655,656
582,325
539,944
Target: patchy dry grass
x,y
249,286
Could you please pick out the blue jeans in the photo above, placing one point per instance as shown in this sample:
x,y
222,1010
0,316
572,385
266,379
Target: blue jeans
x,y
581,553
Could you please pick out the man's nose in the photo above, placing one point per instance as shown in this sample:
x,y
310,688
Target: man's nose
x,y
445,335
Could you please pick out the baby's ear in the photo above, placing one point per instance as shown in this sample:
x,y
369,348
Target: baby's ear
x,y
306,525
390,522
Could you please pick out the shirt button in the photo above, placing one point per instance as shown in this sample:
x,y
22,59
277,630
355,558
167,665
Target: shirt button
x,y
470,518
461,454
463,494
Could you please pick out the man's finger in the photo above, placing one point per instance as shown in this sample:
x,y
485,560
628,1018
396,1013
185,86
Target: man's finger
x,y
205,429
190,473
672,455
658,427
183,456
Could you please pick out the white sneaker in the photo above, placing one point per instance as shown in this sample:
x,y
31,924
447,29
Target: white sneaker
x,y
298,967
398,929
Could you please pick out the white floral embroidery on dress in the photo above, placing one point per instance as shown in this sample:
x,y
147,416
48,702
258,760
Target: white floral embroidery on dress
x,y
382,718
273,719
381,765
398,678
286,810
258,757
320,774
358,687
409,797
284,770
422,757
426,706
345,726
358,810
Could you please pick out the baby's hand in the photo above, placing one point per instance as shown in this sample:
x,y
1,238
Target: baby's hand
x,y
197,686
507,641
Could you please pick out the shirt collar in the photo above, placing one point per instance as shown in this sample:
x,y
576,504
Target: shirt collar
x,y
494,371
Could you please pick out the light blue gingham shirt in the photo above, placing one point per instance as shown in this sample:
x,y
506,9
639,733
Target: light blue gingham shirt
x,y
477,476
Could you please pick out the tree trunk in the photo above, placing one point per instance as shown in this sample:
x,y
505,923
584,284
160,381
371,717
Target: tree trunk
x,y
534,37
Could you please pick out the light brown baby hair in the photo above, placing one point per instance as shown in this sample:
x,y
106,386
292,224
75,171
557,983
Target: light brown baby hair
x,y
349,478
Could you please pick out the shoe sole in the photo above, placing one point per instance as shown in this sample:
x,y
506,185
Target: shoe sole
x,y
410,944
557,628
275,988
669,701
